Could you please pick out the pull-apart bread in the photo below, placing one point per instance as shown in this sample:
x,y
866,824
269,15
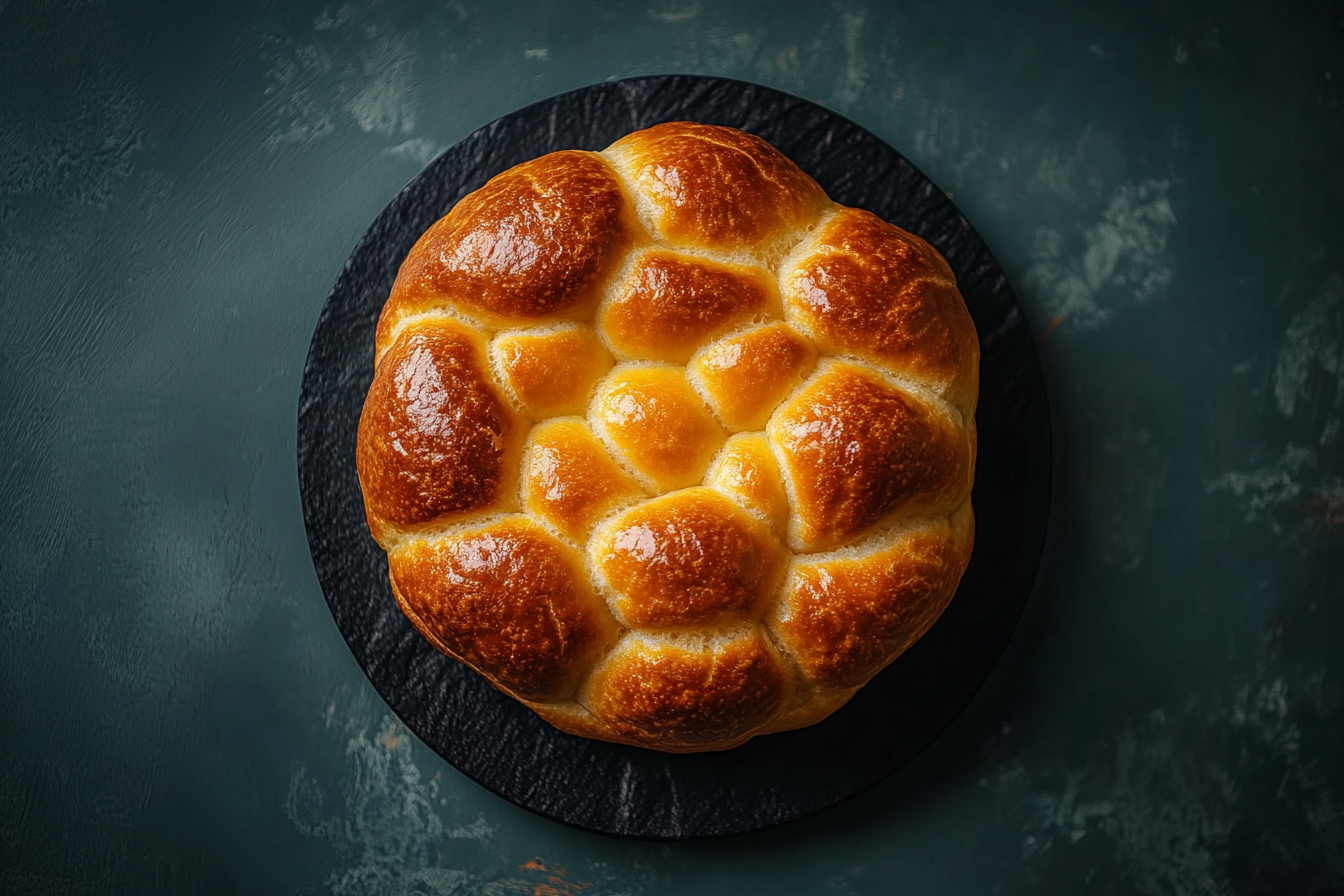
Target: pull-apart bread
x,y
667,445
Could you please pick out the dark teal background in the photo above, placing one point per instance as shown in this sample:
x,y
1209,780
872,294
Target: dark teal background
x,y
179,187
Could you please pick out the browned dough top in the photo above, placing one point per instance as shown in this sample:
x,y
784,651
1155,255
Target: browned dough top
x,y
434,435
667,445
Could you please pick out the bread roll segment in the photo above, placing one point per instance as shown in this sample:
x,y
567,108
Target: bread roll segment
x,y
866,288
689,558
569,480
436,439
669,305
687,691
717,189
667,445
655,422
509,600
746,470
534,244
845,616
550,371
745,376
857,448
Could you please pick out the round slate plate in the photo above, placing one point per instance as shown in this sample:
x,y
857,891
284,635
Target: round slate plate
x,y
773,779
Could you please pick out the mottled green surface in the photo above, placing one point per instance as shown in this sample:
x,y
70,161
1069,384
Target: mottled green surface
x,y
178,189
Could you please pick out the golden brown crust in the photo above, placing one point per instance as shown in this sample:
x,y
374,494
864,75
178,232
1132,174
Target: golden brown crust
x,y
869,288
435,438
509,600
715,187
845,618
795,377
688,558
658,692
532,244
856,449
569,480
746,376
551,372
658,424
746,469
670,305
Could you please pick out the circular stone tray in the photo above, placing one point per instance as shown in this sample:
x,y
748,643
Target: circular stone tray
x,y
772,779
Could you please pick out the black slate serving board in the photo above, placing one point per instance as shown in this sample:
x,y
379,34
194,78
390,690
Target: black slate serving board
x,y
773,779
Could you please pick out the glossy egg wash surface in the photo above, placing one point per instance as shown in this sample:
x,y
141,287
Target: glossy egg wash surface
x,y
667,445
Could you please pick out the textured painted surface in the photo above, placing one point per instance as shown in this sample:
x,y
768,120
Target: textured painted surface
x,y
178,189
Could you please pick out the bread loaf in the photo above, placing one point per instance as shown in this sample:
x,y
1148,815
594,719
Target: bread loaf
x,y
667,445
